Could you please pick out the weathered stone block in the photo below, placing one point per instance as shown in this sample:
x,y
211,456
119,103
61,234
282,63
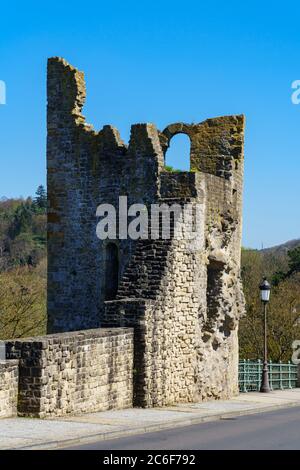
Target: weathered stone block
x,y
8,388
97,379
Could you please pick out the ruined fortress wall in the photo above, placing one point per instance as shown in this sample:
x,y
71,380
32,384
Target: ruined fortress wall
x,y
86,168
218,375
186,346
8,388
165,291
166,327
71,373
187,335
222,141
183,301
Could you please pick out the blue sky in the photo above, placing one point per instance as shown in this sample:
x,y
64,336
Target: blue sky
x,y
163,62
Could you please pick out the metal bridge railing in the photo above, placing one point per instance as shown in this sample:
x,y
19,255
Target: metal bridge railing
x,y
281,376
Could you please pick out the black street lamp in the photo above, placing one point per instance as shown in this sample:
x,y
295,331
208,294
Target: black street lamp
x,y
265,297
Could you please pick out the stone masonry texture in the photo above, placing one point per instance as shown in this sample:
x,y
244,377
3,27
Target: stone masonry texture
x,y
183,302
73,373
146,322
8,388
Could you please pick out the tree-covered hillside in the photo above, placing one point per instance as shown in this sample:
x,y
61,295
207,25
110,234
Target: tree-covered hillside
x,y
282,268
22,231
23,266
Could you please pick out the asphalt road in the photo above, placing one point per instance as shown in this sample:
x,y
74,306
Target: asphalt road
x,y
267,431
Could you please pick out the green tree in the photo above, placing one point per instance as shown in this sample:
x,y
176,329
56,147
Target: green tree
x,y
23,302
40,200
294,260
283,309
22,232
293,267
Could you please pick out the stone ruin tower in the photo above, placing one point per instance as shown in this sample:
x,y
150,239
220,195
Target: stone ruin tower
x,y
183,304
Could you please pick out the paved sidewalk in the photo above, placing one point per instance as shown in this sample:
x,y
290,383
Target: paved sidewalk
x,y
26,433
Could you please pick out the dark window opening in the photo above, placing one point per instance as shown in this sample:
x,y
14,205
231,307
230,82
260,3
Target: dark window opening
x,y
214,289
111,271
177,157
234,197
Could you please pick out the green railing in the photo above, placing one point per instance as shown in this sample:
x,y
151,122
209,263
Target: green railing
x,y
281,376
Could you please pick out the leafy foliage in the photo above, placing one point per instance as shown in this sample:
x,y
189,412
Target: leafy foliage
x,y
23,302
294,267
170,169
40,200
23,266
283,309
22,231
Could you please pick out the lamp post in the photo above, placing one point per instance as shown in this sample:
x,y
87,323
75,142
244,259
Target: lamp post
x,y
265,297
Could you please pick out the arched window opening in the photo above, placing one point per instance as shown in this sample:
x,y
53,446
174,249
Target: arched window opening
x,y
111,271
178,154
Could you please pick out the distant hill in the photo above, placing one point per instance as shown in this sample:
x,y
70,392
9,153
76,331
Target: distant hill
x,y
23,231
283,248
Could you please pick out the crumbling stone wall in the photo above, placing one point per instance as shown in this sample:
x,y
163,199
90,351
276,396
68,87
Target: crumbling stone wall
x,y
8,388
167,273
71,373
186,344
87,168
183,304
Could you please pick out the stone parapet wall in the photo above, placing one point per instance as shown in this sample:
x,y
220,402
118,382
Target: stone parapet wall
x,y
184,299
178,297
159,295
77,372
8,388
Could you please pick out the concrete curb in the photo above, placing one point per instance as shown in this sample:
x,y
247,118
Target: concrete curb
x,y
105,436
